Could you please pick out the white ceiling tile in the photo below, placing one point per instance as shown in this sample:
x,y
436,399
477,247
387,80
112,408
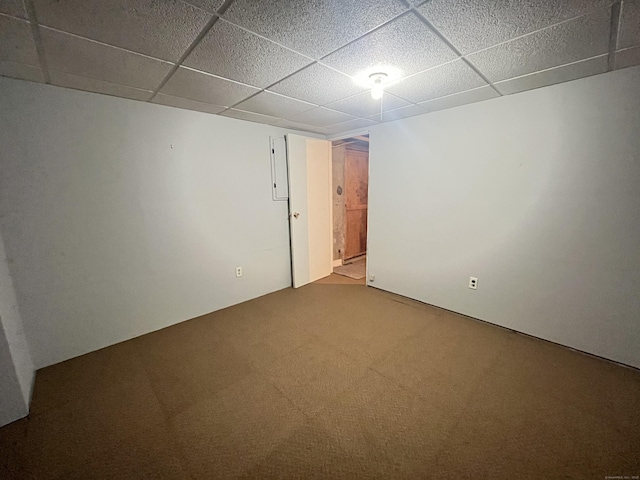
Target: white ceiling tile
x,y
628,57
16,41
78,56
350,125
15,8
321,117
288,124
629,32
362,105
202,87
555,75
405,43
159,29
313,28
21,71
76,82
462,98
569,42
208,5
267,103
231,52
472,25
249,116
317,84
392,102
447,79
185,103
405,112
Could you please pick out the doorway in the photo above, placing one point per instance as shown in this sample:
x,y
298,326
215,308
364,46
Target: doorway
x,y
350,187
328,207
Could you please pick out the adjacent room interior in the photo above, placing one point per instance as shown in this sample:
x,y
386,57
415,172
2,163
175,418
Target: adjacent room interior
x,y
350,190
319,239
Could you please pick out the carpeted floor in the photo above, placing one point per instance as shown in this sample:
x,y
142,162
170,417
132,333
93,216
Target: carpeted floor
x,y
329,381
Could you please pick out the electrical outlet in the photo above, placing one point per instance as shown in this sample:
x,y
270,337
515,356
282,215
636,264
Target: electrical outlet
x,y
473,283
238,272
372,278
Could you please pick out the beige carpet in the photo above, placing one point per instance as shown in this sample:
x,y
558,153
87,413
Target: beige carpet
x,y
329,381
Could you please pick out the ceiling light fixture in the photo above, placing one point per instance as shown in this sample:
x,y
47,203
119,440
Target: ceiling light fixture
x,y
377,79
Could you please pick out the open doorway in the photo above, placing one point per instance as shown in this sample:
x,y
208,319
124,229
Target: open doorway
x,y
328,207
350,188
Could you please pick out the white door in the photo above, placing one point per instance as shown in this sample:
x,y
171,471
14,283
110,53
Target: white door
x,y
309,164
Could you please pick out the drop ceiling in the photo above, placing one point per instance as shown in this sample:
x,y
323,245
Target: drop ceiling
x,y
294,63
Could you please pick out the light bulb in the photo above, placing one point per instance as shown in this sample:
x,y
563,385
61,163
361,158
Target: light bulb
x,y
378,88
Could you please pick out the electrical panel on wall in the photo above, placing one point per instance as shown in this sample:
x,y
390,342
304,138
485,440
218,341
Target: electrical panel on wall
x,y
279,180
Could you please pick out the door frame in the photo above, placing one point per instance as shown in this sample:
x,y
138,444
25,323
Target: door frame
x,y
330,139
351,135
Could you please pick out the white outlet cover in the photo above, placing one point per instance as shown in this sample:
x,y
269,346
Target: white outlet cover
x,y
473,283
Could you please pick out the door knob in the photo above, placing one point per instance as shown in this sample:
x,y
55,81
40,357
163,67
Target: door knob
x,y
296,214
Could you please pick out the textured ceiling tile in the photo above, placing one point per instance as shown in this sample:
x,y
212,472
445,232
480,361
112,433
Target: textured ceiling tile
x,y
629,33
321,117
85,58
410,111
16,41
206,88
391,102
362,105
462,98
628,57
15,8
208,5
185,103
288,124
249,116
350,125
472,25
21,71
160,29
569,42
317,84
406,44
450,78
76,82
231,52
267,103
313,28
555,75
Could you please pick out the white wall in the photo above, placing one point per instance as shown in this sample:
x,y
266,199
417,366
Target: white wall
x,y
536,194
122,217
12,404
16,368
14,336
